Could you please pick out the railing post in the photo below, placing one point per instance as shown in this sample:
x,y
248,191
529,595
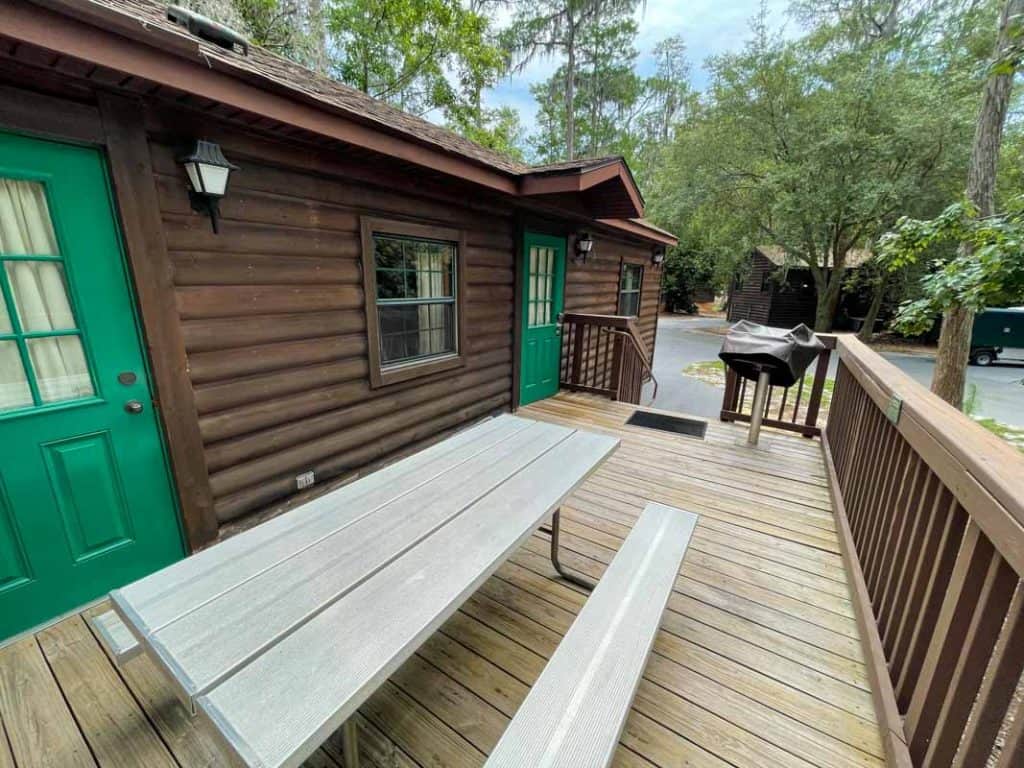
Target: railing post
x,y
820,374
616,382
576,374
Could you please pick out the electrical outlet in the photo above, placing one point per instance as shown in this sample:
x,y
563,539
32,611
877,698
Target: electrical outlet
x,y
305,480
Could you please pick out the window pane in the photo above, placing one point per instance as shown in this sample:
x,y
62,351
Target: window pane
x,y
390,284
40,295
533,261
387,252
60,369
629,304
409,331
25,224
5,318
14,391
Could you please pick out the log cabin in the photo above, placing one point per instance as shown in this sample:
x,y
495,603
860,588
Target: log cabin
x,y
177,363
776,290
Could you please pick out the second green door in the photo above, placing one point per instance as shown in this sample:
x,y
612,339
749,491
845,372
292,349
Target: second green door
x,y
543,266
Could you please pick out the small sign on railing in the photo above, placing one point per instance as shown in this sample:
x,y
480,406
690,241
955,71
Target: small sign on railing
x,y
893,409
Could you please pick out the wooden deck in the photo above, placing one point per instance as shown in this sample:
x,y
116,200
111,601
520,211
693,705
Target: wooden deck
x,y
758,662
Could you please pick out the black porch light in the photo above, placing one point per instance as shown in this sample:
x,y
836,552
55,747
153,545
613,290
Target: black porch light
x,y
658,255
208,172
584,245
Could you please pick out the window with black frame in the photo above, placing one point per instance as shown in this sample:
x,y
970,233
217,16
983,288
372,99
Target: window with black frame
x,y
630,281
416,298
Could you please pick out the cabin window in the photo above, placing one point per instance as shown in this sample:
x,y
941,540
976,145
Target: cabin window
x,y
630,281
413,276
766,282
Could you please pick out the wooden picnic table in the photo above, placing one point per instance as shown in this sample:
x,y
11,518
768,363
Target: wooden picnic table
x,y
279,634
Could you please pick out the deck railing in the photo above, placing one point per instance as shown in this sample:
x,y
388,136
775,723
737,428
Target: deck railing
x,y
604,355
931,515
794,409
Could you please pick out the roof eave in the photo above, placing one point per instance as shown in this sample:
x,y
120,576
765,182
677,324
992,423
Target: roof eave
x,y
578,180
643,230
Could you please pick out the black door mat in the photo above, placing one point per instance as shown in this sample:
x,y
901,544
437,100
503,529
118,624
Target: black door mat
x,y
675,424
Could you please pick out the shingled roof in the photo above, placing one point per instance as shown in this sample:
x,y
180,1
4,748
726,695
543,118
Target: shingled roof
x,y
605,184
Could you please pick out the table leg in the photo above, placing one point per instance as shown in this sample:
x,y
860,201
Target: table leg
x,y
350,743
555,529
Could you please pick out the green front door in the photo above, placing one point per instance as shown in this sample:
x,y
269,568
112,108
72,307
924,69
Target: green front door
x,y
543,282
85,498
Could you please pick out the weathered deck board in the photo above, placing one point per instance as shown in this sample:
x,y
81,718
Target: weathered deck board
x,y
757,663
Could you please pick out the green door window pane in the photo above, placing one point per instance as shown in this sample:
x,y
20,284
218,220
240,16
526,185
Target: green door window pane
x,y
61,372
40,295
14,389
25,225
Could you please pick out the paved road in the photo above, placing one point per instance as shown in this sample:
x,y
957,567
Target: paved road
x,y
1000,387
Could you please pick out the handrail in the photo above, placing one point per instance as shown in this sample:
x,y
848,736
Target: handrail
x,y
930,509
642,354
596,359
964,452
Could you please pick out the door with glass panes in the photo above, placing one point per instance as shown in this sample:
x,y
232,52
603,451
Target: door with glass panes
x,y
85,498
543,284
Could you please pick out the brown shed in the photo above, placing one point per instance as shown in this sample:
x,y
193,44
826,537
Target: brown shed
x,y
371,286
777,292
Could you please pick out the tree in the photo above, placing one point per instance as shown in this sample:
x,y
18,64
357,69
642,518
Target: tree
x,y
958,319
559,27
816,148
498,129
420,55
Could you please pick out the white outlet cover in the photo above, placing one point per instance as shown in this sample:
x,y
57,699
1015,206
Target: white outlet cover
x,y
305,480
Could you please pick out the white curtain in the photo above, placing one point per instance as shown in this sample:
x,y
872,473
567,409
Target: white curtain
x,y
430,282
41,302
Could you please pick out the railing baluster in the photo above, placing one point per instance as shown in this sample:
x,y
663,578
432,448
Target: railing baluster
x,y
947,639
919,495
796,401
1012,753
997,692
899,466
973,610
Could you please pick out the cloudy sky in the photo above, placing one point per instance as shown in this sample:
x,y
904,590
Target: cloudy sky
x,y
707,26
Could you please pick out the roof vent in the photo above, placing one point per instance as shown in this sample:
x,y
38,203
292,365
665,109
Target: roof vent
x,y
207,28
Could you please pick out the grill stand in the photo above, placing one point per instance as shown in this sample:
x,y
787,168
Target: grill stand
x,y
757,409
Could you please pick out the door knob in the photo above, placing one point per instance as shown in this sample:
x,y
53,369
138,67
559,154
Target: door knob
x,y
133,406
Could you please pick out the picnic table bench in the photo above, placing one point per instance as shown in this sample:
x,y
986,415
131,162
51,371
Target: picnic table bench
x,y
279,634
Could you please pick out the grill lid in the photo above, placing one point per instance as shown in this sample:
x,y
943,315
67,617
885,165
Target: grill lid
x,y
750,348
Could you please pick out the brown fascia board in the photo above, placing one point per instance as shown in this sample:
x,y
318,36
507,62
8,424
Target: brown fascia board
x,y
185,68
579,180
645,231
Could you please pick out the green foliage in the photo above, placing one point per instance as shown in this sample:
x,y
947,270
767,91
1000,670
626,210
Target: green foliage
x,y
682,275
816,145
402,51
497,129
986,270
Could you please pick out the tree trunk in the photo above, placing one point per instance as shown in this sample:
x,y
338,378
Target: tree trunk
x,y
828,301
570,98
868,329
318,34
957,323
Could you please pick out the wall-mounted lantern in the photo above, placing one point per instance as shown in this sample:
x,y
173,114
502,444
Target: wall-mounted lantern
x,y
208,172
584,245
658,255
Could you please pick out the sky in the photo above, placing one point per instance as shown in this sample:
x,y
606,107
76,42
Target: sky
x,y
708,27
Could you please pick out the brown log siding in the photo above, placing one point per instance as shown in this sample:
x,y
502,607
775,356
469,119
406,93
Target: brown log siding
x,y
593,288
272,315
